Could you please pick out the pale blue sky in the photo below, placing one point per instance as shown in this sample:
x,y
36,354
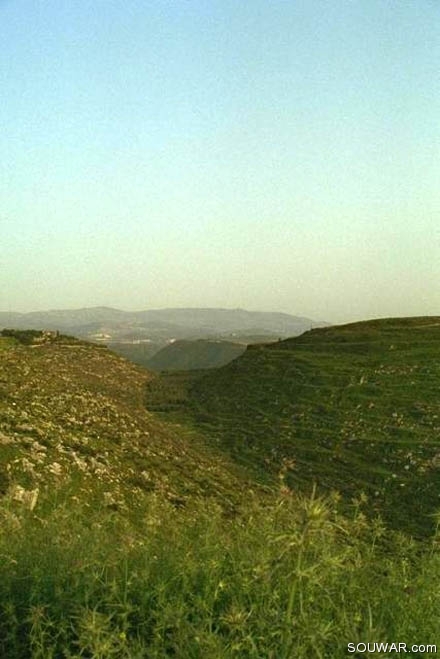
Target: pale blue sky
x,y
265,154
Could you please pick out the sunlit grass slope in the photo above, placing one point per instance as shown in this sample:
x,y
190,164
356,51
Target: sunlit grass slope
x,y
355,407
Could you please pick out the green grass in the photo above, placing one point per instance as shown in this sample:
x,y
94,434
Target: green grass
x,y
194,355
352,408
7,342
122,535
291,578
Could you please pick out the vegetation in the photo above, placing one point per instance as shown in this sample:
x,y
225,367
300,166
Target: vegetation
x,y
73,410
194,355
292,578
138,353
185,355
208,525
352,408
26,337
6,342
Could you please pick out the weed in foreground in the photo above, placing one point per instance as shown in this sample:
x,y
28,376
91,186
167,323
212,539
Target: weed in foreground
x,y
287,578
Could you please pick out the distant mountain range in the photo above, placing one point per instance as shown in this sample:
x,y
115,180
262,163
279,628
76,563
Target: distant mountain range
x,y
138,335
172,323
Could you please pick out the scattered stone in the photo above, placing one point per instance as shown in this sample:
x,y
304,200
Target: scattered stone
x,y
28,498
5,439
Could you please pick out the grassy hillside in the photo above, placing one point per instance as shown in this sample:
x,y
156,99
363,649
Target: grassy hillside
x,y
122,535
138,353
353,408
72,411
193,355
186,354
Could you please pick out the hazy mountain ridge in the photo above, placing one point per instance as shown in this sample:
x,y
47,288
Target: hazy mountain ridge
x,y
139,335
183,320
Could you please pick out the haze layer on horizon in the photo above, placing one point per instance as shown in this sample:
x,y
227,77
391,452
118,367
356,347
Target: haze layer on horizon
x,y
281,156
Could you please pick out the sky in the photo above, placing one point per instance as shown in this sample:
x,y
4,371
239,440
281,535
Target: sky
x,y
274,155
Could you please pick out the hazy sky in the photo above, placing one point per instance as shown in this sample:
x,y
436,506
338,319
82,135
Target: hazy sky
x,y
265,154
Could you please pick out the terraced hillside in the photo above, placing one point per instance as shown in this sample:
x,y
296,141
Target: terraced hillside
x,y
353,408
74,412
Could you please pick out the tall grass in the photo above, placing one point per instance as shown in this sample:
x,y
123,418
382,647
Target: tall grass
x,y
288,578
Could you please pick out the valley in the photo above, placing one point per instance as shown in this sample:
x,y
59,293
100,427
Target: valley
x,y
224,512
139,335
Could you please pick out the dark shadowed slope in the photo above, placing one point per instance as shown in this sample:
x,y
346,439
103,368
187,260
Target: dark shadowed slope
x,y
190,355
